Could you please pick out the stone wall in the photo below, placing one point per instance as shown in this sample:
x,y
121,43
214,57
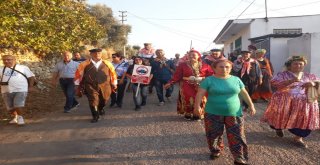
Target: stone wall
x,y
42,65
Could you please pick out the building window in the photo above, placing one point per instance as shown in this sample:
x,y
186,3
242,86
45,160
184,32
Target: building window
x,y
287,31
238,43
231,47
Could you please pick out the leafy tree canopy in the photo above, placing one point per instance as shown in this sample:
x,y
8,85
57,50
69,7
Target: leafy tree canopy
x,y
116,33
56,25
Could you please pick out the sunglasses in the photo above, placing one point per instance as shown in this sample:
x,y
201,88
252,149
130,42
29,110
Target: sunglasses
x,y
114,57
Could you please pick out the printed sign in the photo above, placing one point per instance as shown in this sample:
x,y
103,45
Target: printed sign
x,y
141,74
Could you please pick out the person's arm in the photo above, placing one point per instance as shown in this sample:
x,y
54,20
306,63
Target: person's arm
x,y
55,75
201,92
177,76
245,96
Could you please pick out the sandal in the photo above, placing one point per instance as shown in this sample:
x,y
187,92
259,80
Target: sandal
x,y
300,144
214,156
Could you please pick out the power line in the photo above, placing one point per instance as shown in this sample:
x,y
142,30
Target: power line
x,y
222,20
171,30
213,18
246,9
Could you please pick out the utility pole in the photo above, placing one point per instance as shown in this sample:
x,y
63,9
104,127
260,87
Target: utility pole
x,y
265,5
123,16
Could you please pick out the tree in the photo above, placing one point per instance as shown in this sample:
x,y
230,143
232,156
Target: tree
x,y
116,33
47,25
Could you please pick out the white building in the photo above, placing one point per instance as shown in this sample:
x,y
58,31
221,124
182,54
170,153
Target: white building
x,y
308,45
271,34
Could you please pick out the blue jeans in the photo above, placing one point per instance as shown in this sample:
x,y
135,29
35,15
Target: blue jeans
x,y
67,85
159,88
143,92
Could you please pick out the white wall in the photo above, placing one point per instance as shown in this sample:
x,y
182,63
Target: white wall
x,y
309,46
315,54
309,24
244,34
301,46
278,53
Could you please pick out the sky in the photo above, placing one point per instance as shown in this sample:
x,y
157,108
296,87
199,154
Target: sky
x,y
177,25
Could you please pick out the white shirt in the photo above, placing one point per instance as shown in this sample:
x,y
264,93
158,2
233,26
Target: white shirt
x,y
17,82
96,64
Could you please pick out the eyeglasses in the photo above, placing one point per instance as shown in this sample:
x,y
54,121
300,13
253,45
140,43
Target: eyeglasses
x,y
114,57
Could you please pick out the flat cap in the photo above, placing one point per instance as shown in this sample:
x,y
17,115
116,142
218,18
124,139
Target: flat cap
x,y
95,50
215,50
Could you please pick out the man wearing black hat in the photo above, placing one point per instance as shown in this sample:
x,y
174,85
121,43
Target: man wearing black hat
x,y
250,73
214,56
96,78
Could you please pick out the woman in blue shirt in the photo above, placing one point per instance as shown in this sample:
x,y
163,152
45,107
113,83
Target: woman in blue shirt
x,y
223,109
121,67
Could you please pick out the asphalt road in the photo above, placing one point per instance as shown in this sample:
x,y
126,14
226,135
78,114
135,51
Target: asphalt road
x,y
154,135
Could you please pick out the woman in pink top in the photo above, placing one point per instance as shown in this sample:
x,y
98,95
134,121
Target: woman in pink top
x,y
289,106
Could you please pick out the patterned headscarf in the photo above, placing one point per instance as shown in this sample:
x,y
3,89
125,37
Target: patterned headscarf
x,y
263,51
295,58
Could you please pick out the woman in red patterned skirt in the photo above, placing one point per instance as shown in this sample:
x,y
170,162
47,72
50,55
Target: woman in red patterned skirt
x,y
190,73
290,107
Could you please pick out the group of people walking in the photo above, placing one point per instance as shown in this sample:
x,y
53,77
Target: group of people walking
x,y
213,88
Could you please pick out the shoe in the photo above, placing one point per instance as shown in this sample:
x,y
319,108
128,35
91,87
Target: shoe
x,y
161,103
137,108
20,120
67,111
102,112
74,107
214,156
119,105
196,118
240,162
187,117
300,144
279,133
143,103
95,119
14,120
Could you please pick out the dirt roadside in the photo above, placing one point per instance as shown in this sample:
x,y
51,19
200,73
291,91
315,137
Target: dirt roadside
x,y
154,135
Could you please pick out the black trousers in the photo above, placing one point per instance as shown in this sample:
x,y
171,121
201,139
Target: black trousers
x,y
117,97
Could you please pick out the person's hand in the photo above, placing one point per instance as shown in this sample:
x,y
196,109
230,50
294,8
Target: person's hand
x,y
31,89
260,81
197,111
191,78
113,88
252,110
121,81
167,85
78,91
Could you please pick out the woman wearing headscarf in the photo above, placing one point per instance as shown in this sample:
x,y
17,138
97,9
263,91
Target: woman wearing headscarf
x,y
190,73
250,73
263,90
290,107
